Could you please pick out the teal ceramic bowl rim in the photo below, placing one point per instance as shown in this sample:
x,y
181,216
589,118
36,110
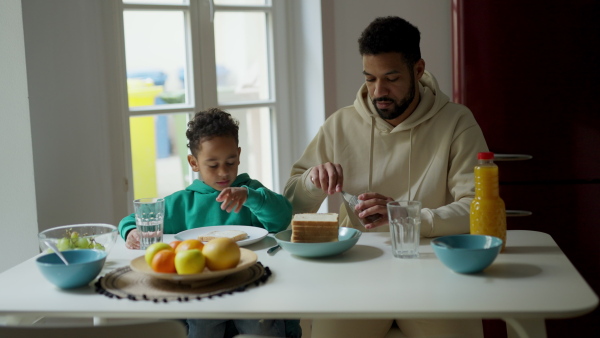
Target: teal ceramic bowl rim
x,y
435,242
314,250
99,255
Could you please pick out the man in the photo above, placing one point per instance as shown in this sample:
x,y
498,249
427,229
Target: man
x,y
401,140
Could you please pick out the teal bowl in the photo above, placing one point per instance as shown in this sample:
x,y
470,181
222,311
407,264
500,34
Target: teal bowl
x,y
467,253
347,238
84,266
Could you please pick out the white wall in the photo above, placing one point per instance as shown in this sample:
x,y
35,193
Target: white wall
x,y
349,18
18,218
77,147
308,73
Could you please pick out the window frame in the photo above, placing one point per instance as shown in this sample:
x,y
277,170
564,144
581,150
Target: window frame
x,y
201,67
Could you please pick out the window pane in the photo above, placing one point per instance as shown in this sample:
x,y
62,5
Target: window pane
x,y
255,141
159,154
241,2
241,56
155,56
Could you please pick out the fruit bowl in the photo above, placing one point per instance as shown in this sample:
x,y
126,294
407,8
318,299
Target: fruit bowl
x,y
84,266
467,253
79,236
347,238
247,259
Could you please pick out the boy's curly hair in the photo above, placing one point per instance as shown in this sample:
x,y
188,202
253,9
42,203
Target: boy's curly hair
x,y
208,124
391,34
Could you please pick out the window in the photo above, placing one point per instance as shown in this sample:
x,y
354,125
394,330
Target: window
x,y
183,56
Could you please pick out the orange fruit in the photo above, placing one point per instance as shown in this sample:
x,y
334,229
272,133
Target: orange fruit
x,y
153,249
189,244
221,254
174,244
164,261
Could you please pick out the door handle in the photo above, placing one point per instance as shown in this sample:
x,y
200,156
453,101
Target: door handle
x,y
518,213
512,157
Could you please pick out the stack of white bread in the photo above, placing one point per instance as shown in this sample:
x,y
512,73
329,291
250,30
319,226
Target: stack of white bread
x,y
315,228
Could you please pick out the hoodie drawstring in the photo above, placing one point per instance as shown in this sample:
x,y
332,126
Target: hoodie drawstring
x,y
371,153
409,159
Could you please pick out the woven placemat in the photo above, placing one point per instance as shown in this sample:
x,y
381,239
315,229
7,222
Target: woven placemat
x,y
126,283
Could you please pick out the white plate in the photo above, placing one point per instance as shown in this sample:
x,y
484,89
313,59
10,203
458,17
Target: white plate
x,y
254,234
247,259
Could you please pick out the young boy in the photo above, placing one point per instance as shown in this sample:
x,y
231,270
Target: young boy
x,y
221,197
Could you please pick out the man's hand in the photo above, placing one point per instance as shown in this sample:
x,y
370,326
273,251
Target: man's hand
x,y
233,197
373,209
328,176
133,240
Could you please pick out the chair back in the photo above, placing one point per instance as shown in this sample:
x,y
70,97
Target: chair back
x,y
145,329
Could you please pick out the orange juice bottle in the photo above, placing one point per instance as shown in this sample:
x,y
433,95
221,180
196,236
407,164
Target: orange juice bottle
x,y
488,213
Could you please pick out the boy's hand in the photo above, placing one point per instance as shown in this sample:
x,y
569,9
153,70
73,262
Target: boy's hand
x,y
133,240
233,197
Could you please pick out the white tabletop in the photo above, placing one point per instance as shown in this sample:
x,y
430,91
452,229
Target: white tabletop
x,y
532,279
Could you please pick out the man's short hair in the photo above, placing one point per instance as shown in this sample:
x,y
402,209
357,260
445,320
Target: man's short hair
x,y
391,34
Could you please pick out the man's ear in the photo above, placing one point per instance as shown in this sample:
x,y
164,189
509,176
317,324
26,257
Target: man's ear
x,y
419,69
193,163
239,152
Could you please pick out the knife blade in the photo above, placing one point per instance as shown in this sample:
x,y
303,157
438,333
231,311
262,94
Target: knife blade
x,y
272,250
352,201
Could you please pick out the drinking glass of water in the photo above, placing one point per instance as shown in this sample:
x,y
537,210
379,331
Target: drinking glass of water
x,y
405,228
149,218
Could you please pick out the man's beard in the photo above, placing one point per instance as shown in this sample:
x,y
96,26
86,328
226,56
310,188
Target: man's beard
x,y
399,107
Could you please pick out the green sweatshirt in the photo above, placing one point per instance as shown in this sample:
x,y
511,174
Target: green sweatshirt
x,y
196,207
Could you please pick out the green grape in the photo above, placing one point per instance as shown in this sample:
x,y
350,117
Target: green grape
x,y
74,234
83,243
98,246
64,244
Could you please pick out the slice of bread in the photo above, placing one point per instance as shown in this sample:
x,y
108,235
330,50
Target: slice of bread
x,y
315,228
325,219
236,235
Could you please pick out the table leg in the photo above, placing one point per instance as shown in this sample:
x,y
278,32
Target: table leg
x,y
19,320
525,328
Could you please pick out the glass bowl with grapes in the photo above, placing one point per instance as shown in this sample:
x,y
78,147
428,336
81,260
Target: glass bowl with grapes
x,y
96,236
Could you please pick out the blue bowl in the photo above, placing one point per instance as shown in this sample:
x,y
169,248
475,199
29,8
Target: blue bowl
x,y
467,253
347,238
84,266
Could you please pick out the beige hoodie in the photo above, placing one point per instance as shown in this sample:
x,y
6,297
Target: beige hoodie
x,y
428,157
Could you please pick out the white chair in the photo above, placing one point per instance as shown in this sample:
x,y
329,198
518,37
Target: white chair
x,y
145,329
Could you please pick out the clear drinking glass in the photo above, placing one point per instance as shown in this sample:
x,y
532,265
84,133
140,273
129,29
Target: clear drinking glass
x,y
149,218
405,228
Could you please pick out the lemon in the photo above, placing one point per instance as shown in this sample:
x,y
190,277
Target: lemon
x,y
221,254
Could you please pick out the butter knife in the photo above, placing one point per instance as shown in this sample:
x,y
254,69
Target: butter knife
x,y
353,202
351,199
272,250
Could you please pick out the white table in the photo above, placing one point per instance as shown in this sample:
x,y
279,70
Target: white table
x,y
531,281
